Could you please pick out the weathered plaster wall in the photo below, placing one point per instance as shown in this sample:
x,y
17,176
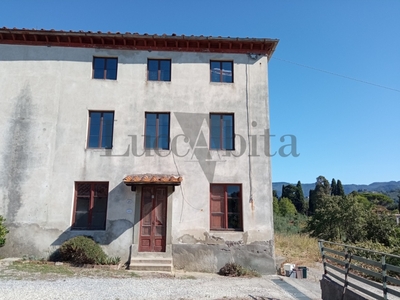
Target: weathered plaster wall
x,y
45,96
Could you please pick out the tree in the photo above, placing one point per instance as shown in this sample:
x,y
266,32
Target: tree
x,y
322,189
286,207
275,204
3,232
322,186
339,189
378,198
339,219
274,194
300,203
398,196
311,202
333,187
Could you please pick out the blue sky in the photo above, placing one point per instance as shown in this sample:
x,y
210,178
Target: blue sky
x,y
345,129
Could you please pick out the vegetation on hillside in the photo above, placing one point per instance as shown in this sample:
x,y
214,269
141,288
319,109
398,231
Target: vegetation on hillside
x,y
365,219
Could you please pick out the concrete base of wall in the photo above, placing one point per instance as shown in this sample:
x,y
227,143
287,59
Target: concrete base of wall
x,y
332,291
211,258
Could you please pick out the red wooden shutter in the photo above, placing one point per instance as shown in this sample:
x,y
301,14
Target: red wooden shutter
x,y
217,207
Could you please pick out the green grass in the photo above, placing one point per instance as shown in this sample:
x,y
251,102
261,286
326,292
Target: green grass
x,y
42,268
187,277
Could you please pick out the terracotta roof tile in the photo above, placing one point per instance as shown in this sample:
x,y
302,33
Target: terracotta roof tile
x,y
136,41
152,179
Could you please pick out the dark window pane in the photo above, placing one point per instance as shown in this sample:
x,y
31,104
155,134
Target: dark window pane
x,y
101,129
91,209
82,204
100,204
227,74
82,212
107,134
100,190
94,129
112,63
221,71
215,71
105,68
151,130
165,68
157,131
98,221
227,132
81,220
99,63
98,73
233,221
215,131
152,68
111,74
233,190
163,131
98,67
163,143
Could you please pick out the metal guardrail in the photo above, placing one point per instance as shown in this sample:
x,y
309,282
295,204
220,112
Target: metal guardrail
x,y
357,263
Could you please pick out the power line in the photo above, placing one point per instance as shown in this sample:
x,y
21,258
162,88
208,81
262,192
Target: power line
x,y
335,74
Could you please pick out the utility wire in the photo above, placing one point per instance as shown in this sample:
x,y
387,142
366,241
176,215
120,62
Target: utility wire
x,y
335,74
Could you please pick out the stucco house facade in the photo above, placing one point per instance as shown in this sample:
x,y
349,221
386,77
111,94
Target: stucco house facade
x,y
156,146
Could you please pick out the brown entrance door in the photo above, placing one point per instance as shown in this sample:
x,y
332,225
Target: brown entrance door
x,y
153,219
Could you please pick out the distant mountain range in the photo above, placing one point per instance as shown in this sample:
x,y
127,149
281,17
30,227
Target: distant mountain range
x,y
382,187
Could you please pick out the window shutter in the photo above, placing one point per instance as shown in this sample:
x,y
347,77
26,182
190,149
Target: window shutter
x,y
217,204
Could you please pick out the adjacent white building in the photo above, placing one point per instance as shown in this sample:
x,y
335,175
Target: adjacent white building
x,y
156,146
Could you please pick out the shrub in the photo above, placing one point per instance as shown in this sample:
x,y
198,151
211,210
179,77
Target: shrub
x,y
82,250
3,232
236,270
290,224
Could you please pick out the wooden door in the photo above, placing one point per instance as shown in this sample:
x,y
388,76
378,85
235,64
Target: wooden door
x,y
153,219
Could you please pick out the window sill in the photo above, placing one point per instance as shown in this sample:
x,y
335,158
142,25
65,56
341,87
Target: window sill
x,y
91,230
158,81
226,230
98,149
219,83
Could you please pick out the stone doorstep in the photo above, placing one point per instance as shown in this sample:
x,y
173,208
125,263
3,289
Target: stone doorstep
x,y
151,264
151,267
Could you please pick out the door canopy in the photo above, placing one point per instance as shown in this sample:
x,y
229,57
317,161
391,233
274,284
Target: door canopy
x,y
164,179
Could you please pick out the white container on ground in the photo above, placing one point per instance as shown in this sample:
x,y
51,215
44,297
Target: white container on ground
x,y
288,268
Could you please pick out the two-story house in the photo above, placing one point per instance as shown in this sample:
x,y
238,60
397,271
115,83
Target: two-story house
x,y
156,146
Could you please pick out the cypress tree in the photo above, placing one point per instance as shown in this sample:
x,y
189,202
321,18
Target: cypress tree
x,y
339,189
311,203
333,187
398,196
300,198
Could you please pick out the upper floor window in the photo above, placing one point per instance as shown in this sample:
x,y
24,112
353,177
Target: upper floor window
x,y
101,125
90,206
226,207
157,131
222,132
105,68
221,71
159,69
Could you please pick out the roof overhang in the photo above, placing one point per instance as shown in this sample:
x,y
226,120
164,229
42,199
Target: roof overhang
x,y
159,179
135,41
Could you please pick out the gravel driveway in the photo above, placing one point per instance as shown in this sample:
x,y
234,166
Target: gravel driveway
x,y
195,286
